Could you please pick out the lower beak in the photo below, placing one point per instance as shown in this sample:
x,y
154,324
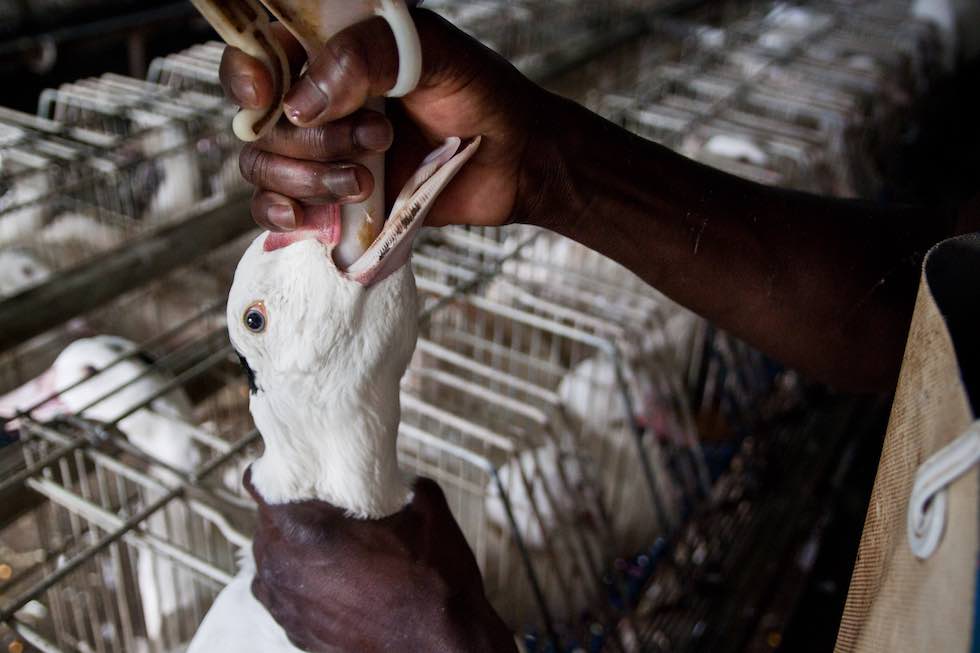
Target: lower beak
x,y
393,246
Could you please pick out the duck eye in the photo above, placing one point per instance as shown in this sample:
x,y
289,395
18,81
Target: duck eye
x,y
254,318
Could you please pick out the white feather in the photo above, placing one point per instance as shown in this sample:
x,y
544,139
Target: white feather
x,y
327,366
740,148
160,429
19,269
80,230
167,143
238,622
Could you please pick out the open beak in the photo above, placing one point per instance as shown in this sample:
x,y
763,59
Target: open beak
x,y
393,246
38,390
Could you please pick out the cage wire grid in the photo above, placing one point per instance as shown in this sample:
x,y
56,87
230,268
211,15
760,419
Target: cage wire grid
x,y
480,415
558,400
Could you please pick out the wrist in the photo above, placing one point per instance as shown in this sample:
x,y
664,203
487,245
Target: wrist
x,y
550,193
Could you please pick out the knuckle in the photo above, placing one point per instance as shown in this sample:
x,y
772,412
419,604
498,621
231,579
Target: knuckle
x,y
316,141
348,58
309,181
256,166
248,161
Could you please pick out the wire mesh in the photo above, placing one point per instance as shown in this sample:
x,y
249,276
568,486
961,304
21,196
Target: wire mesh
x,y
799,96
135,486
560,402
104,161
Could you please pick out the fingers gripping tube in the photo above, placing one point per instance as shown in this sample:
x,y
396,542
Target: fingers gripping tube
x,y
245,25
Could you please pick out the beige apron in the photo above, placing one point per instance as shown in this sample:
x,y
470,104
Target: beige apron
x,y
897,601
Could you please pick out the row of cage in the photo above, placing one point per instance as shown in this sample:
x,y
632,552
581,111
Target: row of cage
x,y
567,409
129,428
107,159
558,424
804,96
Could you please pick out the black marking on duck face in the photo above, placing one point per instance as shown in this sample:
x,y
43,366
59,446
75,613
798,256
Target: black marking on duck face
x,y
146,358
139,354
249,374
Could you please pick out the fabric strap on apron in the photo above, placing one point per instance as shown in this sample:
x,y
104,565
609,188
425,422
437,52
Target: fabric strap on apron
x,y
927,506
915,578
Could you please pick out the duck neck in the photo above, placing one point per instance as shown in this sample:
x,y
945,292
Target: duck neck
x,y
343,451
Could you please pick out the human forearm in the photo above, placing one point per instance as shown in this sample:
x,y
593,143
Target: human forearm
x,y
824,285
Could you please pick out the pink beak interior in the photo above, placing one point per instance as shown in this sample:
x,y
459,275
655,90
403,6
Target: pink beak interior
x,y
39,389
393,246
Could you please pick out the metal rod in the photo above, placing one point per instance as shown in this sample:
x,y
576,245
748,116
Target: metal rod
x,y
70,566
95,29
78,290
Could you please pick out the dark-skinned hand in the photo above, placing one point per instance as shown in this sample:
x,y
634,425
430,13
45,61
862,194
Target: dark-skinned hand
x,y
465,90
408,582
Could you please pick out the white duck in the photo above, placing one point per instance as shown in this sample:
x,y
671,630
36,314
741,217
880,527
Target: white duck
x,y
22,193
161,429
325,349
20,269
170,149
593,402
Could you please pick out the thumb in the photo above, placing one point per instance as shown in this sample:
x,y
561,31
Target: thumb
x,y
358,63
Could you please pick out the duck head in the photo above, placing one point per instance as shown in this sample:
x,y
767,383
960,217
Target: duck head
x,y
109,379
324,349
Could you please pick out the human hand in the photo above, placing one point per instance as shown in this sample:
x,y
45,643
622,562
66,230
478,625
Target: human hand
x,y
408,582
465,90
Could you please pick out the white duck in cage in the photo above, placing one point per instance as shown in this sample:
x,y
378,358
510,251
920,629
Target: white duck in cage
x,y
324,349
108,379
20,269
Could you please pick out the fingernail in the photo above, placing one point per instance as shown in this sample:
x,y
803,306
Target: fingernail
x,y
304,102
243,86
373,133
283,216
342,181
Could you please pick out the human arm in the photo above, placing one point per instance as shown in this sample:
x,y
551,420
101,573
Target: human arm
x,y
826,286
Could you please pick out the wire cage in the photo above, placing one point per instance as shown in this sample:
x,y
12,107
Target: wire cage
x,y
570,413
104,161
559,402
195,69
534,34
483,396
799,96
133,514
548,495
